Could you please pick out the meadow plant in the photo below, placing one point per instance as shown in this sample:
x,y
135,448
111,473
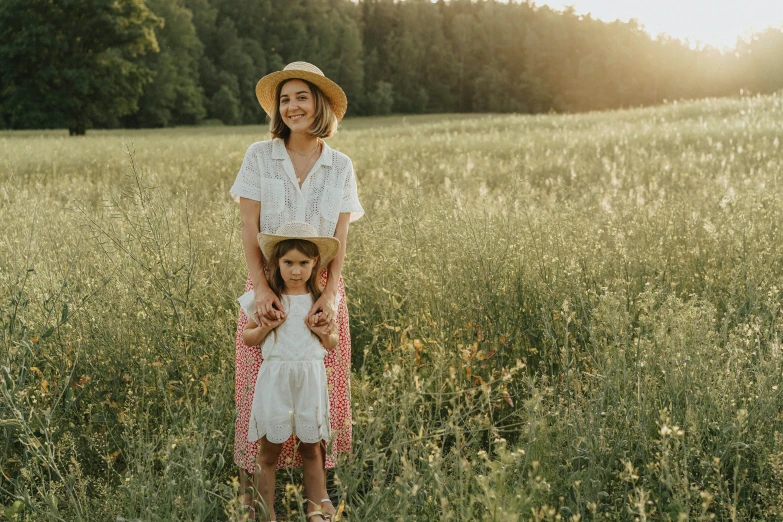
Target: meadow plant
x,y
554,317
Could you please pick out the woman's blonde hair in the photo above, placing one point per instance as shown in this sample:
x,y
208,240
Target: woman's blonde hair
x,y
324,124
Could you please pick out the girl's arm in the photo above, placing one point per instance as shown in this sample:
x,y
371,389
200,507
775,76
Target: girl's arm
x,y
254,334
329,340
267,303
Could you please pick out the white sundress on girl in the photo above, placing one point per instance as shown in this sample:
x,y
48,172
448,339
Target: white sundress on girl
x,y
291,395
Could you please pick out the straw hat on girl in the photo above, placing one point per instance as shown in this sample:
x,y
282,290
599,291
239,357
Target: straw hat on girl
x,y
266,89
327,246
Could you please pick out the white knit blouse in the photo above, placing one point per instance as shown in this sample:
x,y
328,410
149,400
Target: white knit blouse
x,y
267,175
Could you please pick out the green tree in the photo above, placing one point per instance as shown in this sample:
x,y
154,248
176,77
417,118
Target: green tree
x,y
233,33
421,63
381,99
323,32
346,65
225,106
762,65
175,96
73,63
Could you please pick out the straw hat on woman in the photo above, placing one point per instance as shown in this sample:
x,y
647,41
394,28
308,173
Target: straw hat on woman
x,y
296,176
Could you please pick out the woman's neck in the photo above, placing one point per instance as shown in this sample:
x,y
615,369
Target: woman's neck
x,y
301,143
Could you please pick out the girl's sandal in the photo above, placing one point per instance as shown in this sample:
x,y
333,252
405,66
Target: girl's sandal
x,y
329,516
246,513
316,513
247,509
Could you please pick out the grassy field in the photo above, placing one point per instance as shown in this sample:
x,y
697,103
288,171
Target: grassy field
x,y
559,317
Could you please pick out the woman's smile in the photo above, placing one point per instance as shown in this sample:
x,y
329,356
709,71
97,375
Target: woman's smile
x,y
297,105
298,119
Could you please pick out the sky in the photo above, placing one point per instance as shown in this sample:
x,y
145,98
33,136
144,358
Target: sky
x,y
713,22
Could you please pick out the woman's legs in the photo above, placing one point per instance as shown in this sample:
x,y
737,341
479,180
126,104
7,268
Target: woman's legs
x,y
313,474
265,475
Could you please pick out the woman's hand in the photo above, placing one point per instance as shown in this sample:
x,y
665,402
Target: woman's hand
x,y
268,307
323,310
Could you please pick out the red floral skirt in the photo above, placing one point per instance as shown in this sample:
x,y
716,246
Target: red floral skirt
x,y
338,371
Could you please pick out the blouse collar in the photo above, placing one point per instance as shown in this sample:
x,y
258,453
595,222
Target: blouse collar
x,y
279,153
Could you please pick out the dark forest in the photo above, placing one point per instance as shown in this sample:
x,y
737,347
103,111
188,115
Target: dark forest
x,y
157,63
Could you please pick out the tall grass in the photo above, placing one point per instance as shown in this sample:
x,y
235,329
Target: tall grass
x,y
553,318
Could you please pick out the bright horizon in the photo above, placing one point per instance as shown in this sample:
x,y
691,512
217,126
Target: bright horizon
x,y
715,22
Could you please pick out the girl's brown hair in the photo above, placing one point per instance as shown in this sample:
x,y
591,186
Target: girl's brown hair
x,y
324,124
307,248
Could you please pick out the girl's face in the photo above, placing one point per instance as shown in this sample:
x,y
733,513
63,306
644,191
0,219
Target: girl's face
x,y
296,269
297,106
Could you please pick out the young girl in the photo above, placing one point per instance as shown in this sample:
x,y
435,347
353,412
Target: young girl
x,y
291,397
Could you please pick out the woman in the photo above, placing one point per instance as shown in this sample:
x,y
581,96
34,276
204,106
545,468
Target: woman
x,y
295,176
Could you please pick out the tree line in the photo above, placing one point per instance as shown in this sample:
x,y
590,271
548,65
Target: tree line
x,y
154,63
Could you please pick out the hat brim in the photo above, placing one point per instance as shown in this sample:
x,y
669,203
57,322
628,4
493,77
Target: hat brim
x,y
266,89
327,246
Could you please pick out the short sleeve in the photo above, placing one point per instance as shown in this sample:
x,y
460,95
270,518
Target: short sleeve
x,y
350,202
246,302
248,182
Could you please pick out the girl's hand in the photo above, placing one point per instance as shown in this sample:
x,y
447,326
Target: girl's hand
x,y
268,325
255,333
325,330
316,321
323,309
268,307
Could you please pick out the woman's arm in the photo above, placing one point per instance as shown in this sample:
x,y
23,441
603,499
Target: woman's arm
x,y
250,212
267,303
334,269
336,266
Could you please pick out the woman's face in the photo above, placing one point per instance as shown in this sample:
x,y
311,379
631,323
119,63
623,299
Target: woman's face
x,y
296,268
297,106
